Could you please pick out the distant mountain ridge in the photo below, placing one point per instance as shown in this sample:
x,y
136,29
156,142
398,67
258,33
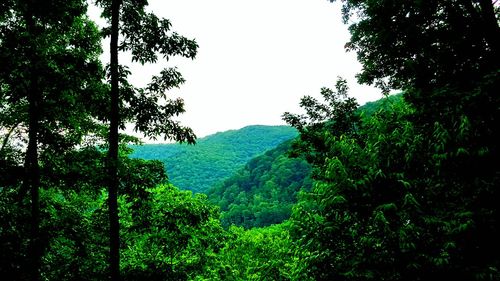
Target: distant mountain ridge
x,y
214,157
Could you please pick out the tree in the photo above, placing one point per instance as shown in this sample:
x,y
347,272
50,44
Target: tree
x,y
78,211
182,234
445,55
424,45
407,193
337,115
146,36
254,254
347,227
46,68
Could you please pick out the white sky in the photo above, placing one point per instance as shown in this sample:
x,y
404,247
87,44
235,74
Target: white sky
x,y
255,60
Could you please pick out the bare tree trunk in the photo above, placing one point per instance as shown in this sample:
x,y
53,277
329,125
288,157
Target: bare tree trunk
x,y
114,225
32,169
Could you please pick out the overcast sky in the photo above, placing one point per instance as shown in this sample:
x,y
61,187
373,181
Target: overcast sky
x,y
255,60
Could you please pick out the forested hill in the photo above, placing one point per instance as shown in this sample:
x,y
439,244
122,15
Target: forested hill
x,y
215,157
263,192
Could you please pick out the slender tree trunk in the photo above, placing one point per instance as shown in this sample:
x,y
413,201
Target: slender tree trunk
x,y
114,225
33,180
32,170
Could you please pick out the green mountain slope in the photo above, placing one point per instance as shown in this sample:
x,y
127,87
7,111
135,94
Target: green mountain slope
x,y
214,157
263,192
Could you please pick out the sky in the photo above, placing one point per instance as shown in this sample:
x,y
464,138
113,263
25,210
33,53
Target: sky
x,y
256,59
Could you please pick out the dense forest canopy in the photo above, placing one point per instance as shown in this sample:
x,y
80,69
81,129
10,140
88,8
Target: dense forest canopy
x,y
406,189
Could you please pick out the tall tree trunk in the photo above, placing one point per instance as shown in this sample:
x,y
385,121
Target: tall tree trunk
x,y
32,169
114,225
33,180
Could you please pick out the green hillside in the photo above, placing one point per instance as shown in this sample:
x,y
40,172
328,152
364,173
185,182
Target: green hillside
x,y
214,157
263,192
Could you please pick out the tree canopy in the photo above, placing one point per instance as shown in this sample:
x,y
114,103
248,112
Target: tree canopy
x,y
49,81
407,194
146,37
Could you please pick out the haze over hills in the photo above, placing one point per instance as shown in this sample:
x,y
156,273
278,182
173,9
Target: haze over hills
x,y
215,157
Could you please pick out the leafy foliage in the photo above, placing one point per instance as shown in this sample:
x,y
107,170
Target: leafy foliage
x,y
214,157
370,108
167,234
50,78
338,114
393,200
424,46
148,38
67,47
406,194
181,234
255,254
